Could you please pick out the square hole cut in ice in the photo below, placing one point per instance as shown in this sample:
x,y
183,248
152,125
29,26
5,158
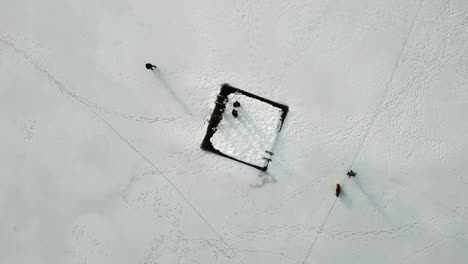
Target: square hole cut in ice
x,y
244,127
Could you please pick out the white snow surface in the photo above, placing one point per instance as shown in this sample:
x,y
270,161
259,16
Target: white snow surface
x,y
247,136
100,159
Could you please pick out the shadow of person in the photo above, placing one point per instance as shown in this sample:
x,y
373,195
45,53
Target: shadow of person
x,y
370,198
345,199
171,90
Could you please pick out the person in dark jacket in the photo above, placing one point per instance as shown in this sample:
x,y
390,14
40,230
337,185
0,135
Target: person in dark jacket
x,y
234,112
338,190
150,66
351,173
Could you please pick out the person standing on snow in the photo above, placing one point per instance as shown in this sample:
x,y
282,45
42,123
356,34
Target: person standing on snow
x,y
351,173
338,190
150,66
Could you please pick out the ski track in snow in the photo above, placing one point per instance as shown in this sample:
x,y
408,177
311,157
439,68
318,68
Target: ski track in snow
x,y
93,107
80,99
379,111
265,230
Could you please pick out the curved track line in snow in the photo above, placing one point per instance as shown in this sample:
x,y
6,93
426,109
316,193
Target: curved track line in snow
x,y
93,107
371,124
80,99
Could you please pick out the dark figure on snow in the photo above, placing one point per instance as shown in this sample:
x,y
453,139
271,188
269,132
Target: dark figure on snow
x,y
234,112
338,190
236,104
150,66
351,173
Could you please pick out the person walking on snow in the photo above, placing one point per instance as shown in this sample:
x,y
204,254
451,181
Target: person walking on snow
x,y
338,190
351,173
150,66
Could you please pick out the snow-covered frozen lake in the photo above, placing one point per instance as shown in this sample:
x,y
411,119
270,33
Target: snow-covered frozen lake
x,y
100,159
